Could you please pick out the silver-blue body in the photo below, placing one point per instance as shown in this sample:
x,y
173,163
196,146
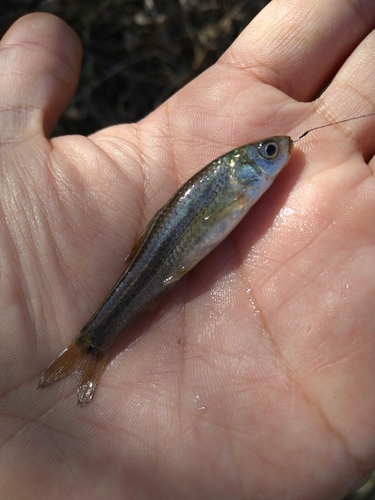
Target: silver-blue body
x,y
193,222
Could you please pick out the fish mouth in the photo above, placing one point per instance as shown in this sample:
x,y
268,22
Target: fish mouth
x,y
290,145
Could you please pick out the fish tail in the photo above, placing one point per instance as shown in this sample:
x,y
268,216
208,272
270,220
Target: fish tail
x,y
84,361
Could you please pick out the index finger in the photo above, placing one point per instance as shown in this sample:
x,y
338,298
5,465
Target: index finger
x,y
299,46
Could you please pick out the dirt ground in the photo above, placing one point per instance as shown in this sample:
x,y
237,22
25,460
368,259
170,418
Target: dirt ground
x,y
137,53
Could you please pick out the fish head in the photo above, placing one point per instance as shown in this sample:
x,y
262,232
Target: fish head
x,y
271,154
255,166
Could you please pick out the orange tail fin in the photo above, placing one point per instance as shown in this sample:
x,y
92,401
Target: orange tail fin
x,y
86,363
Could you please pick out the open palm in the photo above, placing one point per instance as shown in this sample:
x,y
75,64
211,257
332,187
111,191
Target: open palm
x,y
255,377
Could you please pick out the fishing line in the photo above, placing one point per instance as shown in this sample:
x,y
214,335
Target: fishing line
x,y
334,123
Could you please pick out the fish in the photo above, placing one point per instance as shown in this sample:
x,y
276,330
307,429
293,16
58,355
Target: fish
x,y
201,214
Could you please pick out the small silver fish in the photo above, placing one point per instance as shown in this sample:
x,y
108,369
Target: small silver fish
x,y
191,224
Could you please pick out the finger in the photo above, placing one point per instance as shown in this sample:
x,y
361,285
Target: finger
x,y
40,60
226,106
298,46
352,93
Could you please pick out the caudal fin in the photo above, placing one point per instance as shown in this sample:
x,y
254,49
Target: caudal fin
x,y
87,364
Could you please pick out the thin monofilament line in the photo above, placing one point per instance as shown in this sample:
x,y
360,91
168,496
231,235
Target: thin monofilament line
x,y
334,123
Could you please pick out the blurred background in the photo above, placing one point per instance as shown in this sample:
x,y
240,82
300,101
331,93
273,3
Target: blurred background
x,y
137,53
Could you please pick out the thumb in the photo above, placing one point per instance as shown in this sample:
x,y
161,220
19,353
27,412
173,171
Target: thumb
x,y
40,60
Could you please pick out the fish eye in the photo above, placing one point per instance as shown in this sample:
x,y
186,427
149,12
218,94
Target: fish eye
x,y
269,149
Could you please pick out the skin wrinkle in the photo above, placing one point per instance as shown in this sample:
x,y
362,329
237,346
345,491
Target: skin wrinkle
x,y
306,284
19,289
310,401
28,303
257,75
43,218
11,437
135,438
169,436
224,399
113,204
90,423
294,380
142,191
280,86
28,420
9,390
344,127
148,192
17,432
177,179
238,480
221,428
66,60
226,353
184,359
333,363
300,249
53,429
125,175
132,187
24,108
170,145
204,362
28,132
59,207
138,441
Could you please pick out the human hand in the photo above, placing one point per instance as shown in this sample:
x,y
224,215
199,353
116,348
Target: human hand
x,y
254,378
